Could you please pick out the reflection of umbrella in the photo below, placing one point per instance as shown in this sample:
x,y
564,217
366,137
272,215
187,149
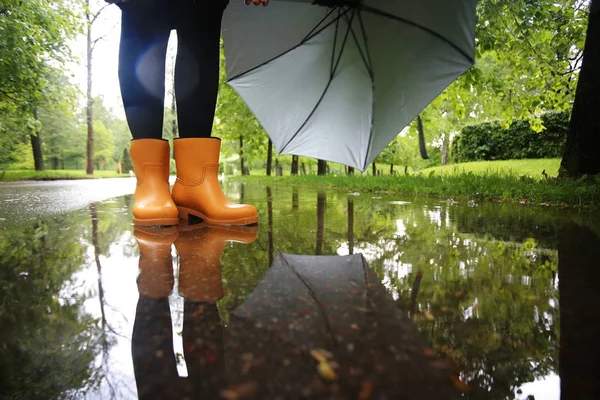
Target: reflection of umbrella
x,y
339,80
337,307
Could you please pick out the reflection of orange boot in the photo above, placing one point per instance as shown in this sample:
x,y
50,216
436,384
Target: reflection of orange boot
x,y
156,263
197,191
153,202
199,247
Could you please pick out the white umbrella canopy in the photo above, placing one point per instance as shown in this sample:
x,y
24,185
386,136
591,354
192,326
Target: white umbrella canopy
x,y
339,79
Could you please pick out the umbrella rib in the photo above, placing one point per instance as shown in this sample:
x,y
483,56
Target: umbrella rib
x,y
360,51
314,296
310,34
324,91
335,35
307,38
364,33
416,25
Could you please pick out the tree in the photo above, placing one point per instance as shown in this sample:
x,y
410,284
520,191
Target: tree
x,y
126,164
528,56
235,124
583,139
105,146
33,52
90,18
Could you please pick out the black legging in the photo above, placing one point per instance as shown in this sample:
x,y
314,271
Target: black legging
x,y
146,26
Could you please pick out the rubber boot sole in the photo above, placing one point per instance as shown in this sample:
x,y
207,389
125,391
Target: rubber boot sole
x,y
184,213
156,221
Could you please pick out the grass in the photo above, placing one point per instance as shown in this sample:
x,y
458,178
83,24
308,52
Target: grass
x,y
530,168
9,176
509,183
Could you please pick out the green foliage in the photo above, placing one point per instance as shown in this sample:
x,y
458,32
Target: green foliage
x,y
233,119
491,141
23,157
528,56
126,164
104,146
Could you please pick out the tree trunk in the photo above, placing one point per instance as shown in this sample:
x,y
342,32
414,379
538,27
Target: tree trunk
x,y
391,169
445,148
321,167
422,147
242,167
303,168
295,162
583,139
350,170
350,225
374,169
269,158
174,130
36,147
90,100
578,282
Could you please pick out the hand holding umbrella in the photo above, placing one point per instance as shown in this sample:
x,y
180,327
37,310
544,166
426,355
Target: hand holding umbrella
x,y
263,3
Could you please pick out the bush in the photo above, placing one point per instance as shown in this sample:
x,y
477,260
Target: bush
x,y
490,141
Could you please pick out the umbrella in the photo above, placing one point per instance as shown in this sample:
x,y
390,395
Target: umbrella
x,y
319,325
339,79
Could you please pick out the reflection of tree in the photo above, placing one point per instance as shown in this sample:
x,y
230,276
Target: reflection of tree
x,y
48,344
579,280
485,304
350,225
270,224
108,227
321,205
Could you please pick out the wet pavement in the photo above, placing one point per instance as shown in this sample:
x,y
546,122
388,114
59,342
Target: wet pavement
x,y
334,295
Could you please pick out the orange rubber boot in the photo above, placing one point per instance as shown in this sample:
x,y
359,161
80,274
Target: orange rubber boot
x,y
199,247
156,263
153,202
197,191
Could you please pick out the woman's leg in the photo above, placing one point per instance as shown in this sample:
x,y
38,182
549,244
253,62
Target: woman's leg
x,y
144,35
198,25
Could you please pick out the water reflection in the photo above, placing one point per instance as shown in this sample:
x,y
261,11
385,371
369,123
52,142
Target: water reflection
x,y
200,285
480,284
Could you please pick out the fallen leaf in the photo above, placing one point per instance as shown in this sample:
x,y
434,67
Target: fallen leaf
x,y
366,390
320,355
326,371
241,391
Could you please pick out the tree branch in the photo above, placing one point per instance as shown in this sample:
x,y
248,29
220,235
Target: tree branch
x,y
97,14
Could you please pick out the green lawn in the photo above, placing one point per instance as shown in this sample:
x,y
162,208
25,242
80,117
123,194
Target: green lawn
x,y
56,175
513,181
530,168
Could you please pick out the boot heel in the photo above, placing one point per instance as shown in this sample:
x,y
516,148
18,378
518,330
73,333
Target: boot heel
x,y
183,214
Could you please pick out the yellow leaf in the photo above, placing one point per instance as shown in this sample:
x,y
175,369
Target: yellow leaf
x,y
326,371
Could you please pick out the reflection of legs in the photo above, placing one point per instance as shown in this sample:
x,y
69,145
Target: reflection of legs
x,y
152,349
144,36
198,27
152,340
204,351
